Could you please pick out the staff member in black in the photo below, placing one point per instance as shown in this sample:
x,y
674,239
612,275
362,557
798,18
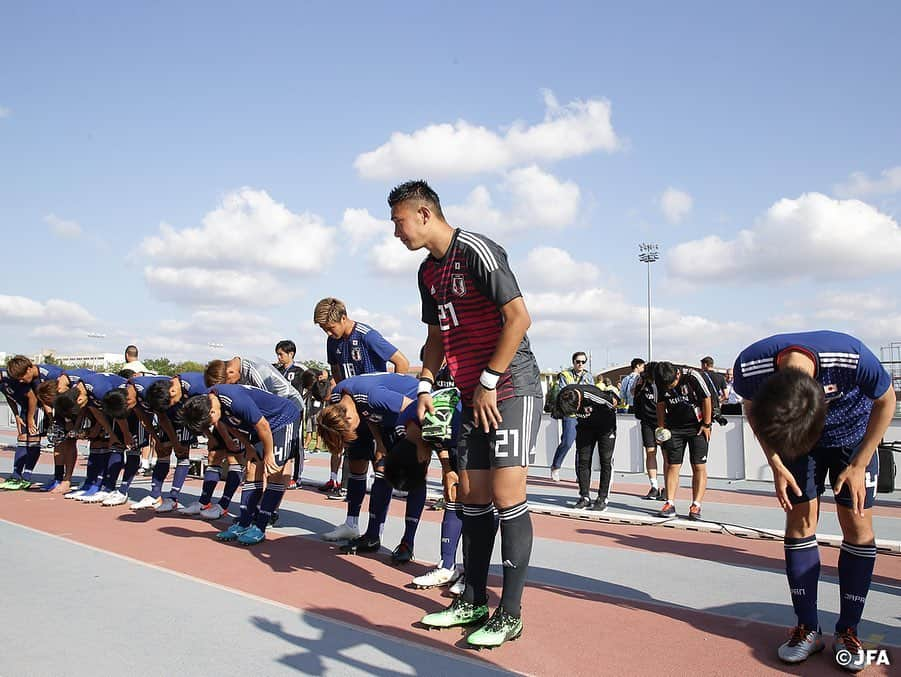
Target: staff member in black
x,y
595,412
644,405
683,407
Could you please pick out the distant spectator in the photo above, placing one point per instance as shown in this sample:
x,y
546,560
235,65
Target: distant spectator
x,y
732,405
627,390
285,352
716,382
577,375
132,362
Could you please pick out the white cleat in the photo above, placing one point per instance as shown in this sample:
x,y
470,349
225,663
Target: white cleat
x,y
437,577
555,475
342,533
167,505
802,643
459,585
99,497
213,512
146,502
115,498
75,494
192,510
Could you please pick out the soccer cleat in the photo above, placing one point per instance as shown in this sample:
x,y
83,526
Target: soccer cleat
x,y
848,651
292,485
167,505
341,533
75,493
212,512
402,554
459,586
501,627
11,484
555,474
600,505
194,509
801,645
361,544
115,498
437,577
459,612
232,533
668,510
146,502
653,494
328,486
336,494
96,497
24,485
439,504
273,518
582,503
50,486
87,493
694,513
252,535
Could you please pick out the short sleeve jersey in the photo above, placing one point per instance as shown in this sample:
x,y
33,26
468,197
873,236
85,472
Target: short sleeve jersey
x,y
462,293
645,401
365,351
244,406
99,384
141,384
261,374
47,372
192,383
683,403
13,389
849,372
598,410
76,375
292,374
378,397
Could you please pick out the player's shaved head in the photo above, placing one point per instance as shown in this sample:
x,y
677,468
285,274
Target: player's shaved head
x,y
416,190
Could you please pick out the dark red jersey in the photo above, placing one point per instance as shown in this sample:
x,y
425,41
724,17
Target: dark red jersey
x,y
463,293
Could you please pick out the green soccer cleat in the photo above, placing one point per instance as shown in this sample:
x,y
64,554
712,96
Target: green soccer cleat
x,y
12,484
437,427
459,612
500,628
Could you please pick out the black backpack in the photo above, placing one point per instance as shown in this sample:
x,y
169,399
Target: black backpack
x,y
887,468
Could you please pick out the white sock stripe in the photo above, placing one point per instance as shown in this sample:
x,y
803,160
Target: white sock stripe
x,y
476,510
379,475
801,546
184,461
277,488
860,551
514,512
453,506
361,476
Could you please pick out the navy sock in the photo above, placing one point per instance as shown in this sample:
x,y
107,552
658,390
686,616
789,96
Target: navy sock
x,y
31,460
20,459
855,572
132,463
211,477
272,498
356,492
251,493
160,472
479,527
113,468
178,479
415,505
802,566
96,461
232,481
379,500
516,550
451,528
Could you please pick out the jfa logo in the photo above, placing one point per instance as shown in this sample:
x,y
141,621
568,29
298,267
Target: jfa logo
x,y
458,285
868,656
356,354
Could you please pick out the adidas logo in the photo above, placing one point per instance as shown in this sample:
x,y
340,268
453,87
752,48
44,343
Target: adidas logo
x,y
508,563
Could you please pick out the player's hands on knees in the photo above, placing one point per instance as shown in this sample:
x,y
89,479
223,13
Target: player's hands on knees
x,y
424,405
485,413
784,482
856,479
272,468
32,429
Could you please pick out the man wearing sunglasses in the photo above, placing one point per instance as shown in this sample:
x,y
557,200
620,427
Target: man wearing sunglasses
x,y
578,375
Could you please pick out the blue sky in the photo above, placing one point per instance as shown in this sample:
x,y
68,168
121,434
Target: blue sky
x,y
759,146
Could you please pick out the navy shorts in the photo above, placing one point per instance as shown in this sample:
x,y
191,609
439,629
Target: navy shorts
x,y
511,445
285,442
362,448
810,473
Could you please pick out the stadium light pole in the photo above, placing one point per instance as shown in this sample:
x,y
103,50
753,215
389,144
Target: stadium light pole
x,y
648,253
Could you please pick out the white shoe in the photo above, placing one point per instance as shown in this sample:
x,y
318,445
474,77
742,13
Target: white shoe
x,y
146,502
99,497
436,577
802,643
74,494
193,509
555,474
167,505
213,512
342,533
115,498
459,586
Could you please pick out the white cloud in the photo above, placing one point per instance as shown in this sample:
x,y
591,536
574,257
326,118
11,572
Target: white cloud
x,y
476,213
5,112
861,185
249,229
361,227
63,228
554,269
391,258
198,286
458,149
675,204
813,236
15,309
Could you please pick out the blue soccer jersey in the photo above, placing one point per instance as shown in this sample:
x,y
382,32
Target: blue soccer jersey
x,y
244,406
365,351
850,373
378,397
47,372
99,384
76,375
141,384
13,389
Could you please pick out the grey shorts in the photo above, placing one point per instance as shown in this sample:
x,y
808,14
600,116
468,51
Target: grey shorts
x,y
511,445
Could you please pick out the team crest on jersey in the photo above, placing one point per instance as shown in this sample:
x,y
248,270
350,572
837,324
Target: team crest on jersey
x,y
356,354
458,285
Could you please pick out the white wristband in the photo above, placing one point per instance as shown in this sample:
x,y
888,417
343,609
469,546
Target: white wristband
x,y
423,387
488,380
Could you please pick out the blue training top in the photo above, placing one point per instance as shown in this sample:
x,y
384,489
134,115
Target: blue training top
x,y
378,397
244,406
850,373
365,351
